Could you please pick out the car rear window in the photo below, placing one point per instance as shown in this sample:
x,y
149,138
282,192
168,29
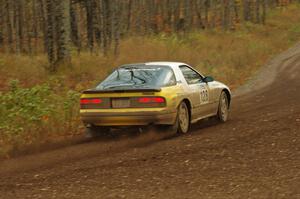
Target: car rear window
x,y
139,76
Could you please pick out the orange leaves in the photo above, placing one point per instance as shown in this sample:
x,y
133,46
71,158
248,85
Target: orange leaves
x,y
45,118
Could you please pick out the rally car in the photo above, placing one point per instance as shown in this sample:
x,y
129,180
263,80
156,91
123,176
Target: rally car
x,y
168,94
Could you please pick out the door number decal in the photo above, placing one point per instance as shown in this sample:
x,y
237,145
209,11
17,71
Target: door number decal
x,y
204,96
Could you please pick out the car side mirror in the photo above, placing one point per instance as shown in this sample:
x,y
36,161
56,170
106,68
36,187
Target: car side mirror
x,y
208,79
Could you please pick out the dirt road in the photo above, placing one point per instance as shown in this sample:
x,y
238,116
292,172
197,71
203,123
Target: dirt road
x,y
255,155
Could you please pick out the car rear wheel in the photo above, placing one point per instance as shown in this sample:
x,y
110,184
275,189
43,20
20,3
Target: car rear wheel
x,y
183,119
223,109
97,131
182,122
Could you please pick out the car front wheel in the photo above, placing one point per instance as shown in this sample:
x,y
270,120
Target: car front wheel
x,y
223,109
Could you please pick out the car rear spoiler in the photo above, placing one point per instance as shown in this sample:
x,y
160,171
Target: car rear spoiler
x,y
94,91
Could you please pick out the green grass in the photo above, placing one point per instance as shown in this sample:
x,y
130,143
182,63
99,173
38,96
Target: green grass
x,y
40,107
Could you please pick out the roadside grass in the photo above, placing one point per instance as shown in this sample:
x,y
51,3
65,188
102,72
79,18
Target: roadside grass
x,y
38,107
33,115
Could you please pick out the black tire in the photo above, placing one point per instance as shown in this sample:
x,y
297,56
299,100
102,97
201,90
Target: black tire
x,y
182,124
97,131
223,109
177,127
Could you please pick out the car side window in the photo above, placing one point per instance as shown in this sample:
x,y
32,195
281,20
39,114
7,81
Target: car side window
x,y
191,76
170,79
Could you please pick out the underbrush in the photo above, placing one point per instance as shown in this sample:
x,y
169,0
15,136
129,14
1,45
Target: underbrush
x,y
37,106
36,114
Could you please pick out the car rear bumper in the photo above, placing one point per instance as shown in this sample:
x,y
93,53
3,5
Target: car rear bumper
x,y
127,118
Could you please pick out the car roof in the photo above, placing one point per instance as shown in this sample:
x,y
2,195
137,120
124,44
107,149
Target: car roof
x,y
171,64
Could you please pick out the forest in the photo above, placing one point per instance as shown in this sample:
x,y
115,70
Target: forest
x,y
57,27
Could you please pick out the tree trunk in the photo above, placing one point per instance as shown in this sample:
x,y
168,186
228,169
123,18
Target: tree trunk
x,y
90,24
63,31
187,15
74,28
198,6
106,26
129,7
257,11
206,8
264,7
18,21
116,26
50,35
43,15
246,10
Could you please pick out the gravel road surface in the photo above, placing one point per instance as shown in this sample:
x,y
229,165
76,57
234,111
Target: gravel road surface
x,y
256,154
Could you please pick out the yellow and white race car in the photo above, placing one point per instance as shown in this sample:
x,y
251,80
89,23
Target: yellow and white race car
x,y
156,93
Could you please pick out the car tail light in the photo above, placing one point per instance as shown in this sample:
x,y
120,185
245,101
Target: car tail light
x,y
90,101
151,100
148,102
